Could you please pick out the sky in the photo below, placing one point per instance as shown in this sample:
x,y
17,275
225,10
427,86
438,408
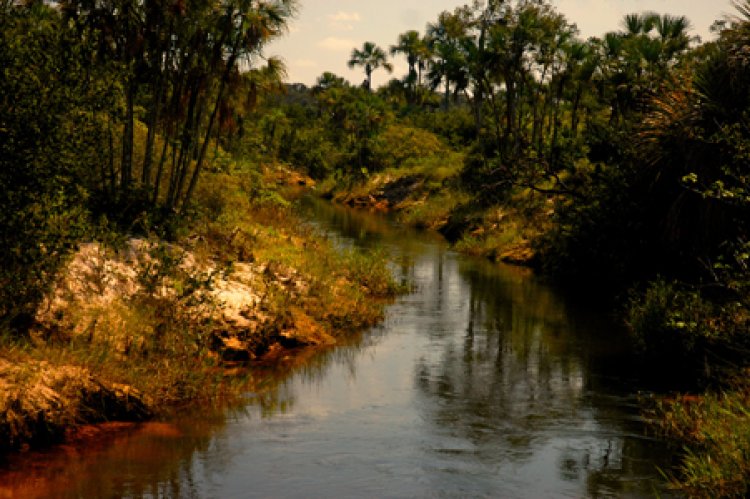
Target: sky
x,y
324,32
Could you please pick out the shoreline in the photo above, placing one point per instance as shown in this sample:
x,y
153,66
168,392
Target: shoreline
x,y
130,332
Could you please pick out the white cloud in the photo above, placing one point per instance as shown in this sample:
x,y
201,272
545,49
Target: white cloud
x,y
343,17
337,44
343,21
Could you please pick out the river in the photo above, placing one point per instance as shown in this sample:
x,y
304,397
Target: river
x,y
483,382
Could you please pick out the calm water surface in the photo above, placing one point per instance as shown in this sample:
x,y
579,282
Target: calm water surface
x,y
484,382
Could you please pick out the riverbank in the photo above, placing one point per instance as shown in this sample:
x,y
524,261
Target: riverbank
x,y
701,333
395,411
430,196
712,431
138,324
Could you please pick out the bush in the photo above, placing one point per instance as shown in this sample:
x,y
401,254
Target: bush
x,y
676,326
456,125
49,152
714,431
667,321
398,144
599,236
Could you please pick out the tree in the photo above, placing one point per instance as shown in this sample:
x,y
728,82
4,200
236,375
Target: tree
x,y
329,80
181,61
582,64
51,151
413,46
444,39
370,57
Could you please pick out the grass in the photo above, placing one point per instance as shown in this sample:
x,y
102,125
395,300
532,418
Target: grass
x,y
159,340
426,203
507,231
432,212
713,431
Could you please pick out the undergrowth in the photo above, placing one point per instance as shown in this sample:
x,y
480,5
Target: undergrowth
x,y
157,340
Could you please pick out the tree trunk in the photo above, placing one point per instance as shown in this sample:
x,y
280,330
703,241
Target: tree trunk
x,y
447,92
153,118
159,172
574,111
126,168
509,112
220,95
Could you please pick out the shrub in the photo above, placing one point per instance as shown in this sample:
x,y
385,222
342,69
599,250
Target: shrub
x,y
676,325
714,431
398,144
667,321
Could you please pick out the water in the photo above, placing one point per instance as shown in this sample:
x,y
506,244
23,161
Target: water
x,y
484,382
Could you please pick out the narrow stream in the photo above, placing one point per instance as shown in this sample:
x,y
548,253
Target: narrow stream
x,y
484,382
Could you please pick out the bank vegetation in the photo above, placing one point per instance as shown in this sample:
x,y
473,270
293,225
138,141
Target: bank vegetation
x,y
141,144
143,264
617,163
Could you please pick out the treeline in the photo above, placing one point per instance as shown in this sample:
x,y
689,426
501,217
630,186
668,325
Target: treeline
x,y
629,152
107,112
636,140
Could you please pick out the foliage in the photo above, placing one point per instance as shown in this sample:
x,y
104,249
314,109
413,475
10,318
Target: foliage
x,y
456,126
131,94
675,324
46,158
714,431
370,57
182,65
398,144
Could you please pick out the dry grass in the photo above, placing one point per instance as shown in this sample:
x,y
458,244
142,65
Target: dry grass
x,y
507,232
131,330
40,400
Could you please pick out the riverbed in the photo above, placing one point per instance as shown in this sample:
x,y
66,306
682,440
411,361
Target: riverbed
x,y
482,382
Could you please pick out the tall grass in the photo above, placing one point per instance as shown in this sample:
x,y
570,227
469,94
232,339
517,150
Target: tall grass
x,y
714,432
159,345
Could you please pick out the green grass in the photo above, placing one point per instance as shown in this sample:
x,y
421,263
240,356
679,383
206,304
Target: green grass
x,y
157,347
714,433
433,211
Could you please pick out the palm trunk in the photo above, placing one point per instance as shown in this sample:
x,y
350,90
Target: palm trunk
x,y
126,168
447,92
220,95
574,111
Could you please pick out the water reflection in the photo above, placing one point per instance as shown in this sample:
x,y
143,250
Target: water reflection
x,y
519,388
484,382
152,459
512,376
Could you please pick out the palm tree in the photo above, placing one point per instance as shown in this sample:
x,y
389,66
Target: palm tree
x,y
329,80
672,32
412,46
583,62
371,57
444,39
634,24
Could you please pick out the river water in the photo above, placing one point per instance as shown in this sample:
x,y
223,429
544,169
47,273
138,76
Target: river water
x,y
483,382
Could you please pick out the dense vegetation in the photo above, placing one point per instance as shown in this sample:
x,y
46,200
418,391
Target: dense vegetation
x,y
118,268
618,163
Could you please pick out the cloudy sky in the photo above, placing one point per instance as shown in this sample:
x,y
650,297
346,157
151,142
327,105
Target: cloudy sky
x,y
324,32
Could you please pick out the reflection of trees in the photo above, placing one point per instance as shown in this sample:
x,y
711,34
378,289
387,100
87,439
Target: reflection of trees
x,y
509,370
522,377
614,467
